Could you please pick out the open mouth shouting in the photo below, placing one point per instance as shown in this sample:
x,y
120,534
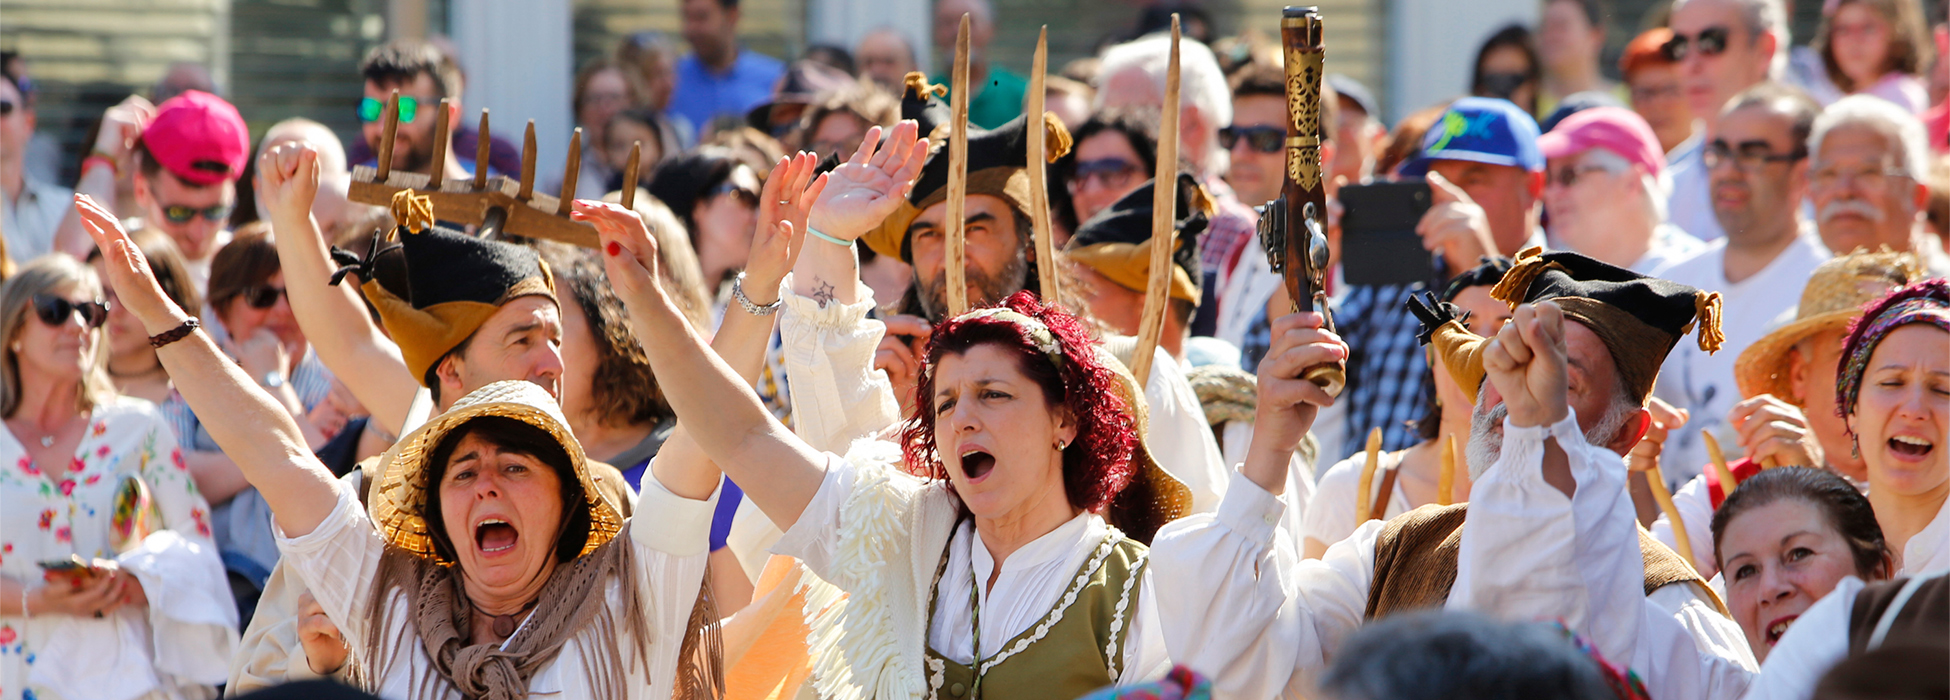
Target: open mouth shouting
x,y
1777,628
1911,446
976,463
494,537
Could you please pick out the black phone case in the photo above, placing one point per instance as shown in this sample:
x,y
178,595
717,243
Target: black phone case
x,y
1379,245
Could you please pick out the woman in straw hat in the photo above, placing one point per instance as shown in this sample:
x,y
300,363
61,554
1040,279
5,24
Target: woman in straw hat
x,y
1894,391
994,548
1787,379
488,566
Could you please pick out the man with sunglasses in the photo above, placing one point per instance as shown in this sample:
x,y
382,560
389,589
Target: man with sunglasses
x,y
187,153
1721,47
423,75
1866,161
30,209
1756,155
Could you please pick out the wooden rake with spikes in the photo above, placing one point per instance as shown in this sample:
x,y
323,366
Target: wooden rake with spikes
x,y
492,204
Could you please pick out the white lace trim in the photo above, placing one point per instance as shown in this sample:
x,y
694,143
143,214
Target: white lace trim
x,y
1069,598
937,675
1111,650
855,641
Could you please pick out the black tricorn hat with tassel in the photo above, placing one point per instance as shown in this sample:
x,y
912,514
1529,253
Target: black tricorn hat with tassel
x,y
1640,319
433,287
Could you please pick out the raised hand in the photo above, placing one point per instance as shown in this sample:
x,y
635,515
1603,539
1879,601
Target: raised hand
x,y
128,272
1455,226
122,125
1770,427
325,647
900,354
288,180
1287,402
783,207
1526,365
1665,419
629,251
871,184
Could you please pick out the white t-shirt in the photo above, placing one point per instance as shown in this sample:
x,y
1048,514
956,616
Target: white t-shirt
x,y
1703,383
1671,245
1691,205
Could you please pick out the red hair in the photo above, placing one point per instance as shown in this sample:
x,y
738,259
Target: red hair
x,y
1098,464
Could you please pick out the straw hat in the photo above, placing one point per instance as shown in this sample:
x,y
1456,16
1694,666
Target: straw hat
x,y
399,499
1154,497
1834,296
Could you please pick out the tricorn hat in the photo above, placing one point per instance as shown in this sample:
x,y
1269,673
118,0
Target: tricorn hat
x,y
433,287
1116,243
997,163
1639,319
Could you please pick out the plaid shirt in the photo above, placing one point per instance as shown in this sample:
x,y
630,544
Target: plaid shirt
x,y
1232,225
1388,380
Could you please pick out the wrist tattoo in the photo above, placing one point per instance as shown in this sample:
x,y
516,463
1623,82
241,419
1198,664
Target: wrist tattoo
x,y
822,292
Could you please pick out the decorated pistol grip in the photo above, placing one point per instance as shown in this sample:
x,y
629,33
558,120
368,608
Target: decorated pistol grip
x,y
1292,228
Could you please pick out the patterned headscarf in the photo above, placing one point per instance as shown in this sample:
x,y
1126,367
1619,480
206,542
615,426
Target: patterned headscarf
x,y
1927,301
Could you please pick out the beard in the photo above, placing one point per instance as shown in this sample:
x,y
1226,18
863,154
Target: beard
x,y
1486,433
987,289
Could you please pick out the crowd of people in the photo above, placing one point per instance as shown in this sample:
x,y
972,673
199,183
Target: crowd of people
x,y
1661,418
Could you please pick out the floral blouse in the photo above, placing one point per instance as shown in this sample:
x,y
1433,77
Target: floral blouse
x,y
180,645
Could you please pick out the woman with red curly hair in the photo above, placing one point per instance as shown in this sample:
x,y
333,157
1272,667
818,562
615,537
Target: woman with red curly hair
x,y
1894,391
982,548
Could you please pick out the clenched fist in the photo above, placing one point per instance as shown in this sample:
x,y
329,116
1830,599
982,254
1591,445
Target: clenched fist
x,y
1526,365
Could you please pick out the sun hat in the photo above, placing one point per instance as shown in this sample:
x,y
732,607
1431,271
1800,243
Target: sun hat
x,y
399,498
1835,295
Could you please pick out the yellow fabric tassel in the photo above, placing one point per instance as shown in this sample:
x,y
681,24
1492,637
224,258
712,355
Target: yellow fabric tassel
x,y
1707,308
918,82
412,210
1515,283
1056,137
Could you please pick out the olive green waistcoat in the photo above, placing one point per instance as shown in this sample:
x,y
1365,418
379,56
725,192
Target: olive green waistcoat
x,y
1077,647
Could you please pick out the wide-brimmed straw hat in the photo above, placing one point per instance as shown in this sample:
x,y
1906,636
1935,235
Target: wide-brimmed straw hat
x,y
1834,296
1154,497
399,500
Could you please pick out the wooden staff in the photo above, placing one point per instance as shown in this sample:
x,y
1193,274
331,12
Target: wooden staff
x,y
1657,481
527,163
957,278
481,153
1361,497
1445,480
569,173
386,138
1039,175
1727,479
1164,214
629,176
437,173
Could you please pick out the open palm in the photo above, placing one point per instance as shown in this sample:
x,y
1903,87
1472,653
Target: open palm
x,y
783,208
870,185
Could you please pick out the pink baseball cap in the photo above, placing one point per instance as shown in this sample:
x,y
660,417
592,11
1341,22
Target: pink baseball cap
x,y
199,137
1614,129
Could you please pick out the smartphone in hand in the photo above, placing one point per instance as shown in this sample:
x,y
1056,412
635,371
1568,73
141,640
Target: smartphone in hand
x,y
74,570
1379,245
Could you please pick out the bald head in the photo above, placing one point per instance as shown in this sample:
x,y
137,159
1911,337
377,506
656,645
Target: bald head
x,y
886,57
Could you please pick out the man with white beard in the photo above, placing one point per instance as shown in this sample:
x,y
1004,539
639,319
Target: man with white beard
x,y
1559,398
1867,162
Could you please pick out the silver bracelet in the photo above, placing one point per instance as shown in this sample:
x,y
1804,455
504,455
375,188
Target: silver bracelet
x,y
738,292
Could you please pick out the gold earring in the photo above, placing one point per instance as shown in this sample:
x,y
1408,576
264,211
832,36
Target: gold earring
x,y
1060,445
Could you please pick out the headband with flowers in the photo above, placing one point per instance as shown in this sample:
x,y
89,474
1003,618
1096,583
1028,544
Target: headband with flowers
x,y
1037,331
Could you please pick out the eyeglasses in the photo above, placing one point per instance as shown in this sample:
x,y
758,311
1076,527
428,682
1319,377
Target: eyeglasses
x,y
1712,41
743,194
263,297
1265,139
6,108
1870,178
55,311
180,214
1746,156
1568,177
372,108
1502,85
1650,93
1109,172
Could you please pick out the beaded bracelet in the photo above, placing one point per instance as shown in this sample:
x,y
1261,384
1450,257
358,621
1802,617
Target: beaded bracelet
x,y
738,293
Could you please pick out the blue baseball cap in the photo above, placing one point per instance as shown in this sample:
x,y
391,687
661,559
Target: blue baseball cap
x,y
1483,130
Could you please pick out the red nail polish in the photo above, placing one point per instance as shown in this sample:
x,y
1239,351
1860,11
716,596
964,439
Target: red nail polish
x,y
614,248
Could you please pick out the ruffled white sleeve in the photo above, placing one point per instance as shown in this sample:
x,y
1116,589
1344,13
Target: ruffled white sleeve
x,y
672,540
339,562
837,395
192,619
1244,610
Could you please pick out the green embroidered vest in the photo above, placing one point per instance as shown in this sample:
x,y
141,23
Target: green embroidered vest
x,y
1077,647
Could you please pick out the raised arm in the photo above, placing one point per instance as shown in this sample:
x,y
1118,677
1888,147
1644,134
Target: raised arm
x,y
249,425
333,318
121,126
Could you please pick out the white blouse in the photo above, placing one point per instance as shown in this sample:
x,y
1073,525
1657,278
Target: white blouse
x,y
181,644
1246,613
1928,551
1330,514
339,560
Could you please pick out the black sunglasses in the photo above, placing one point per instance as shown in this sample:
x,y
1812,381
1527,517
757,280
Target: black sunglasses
x,y
6,108
743,194
1712,41
180,214
263,297
1746,155
55,311
1265,139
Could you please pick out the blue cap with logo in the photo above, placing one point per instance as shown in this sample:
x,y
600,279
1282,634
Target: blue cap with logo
x,y
1483,130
